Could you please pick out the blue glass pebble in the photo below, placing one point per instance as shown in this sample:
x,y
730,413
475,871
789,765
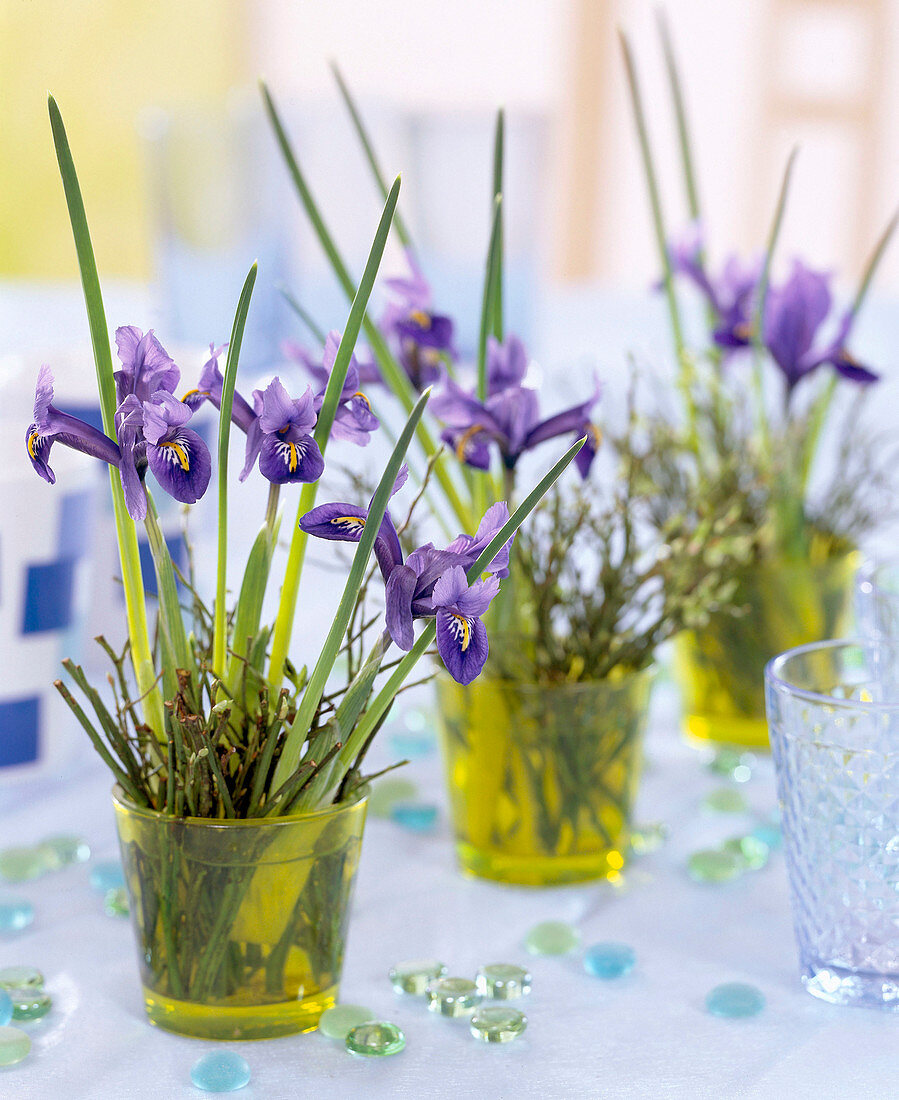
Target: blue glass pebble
x,y
609,960
220,1071
418,817
768,834
5,1008
412,745
15,914
734,1000
107,876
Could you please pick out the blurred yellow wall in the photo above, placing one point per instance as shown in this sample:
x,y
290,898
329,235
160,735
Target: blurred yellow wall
x,y
104,61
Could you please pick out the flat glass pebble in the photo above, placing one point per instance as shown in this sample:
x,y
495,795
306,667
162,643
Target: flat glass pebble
x,y
753,852
412,745
14,1045
453,996
647,838
375,1039
220,1071
5,1008
725,800
417,817
15,914
107,876
115,902
415,719
714,865
338,1020
386,792
497,1024
66,849
609,960
552,937
29,1004
415,975
735,1000
21,977
503,981
22,864
769,835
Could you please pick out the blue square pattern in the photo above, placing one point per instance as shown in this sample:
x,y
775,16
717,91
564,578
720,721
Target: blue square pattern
x,y
75,523
19,724
178,551
49,596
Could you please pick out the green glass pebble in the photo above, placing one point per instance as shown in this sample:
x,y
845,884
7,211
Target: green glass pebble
x,y
115,903
647,838
5,1008
735,1000
22,864
609,960
503,981
21,977
552,937
65,850
725,800
15,914
388,791
714,865
29,1004
753,852
220,1071
14,1045
415,975
733,764
453,996
375,1039
107,876
497,1024
336,1021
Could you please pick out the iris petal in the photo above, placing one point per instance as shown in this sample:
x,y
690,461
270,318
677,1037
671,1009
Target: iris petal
x,y
462,645
290,458
181,464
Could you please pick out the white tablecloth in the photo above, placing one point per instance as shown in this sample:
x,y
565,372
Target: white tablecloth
x,y
646,1035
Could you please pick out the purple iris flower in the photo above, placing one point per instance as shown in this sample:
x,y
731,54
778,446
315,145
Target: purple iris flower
x,y
153,434
51,426
731,295
354,420
422,336
284,443
149,423
794,312
412,585
510,417
366,367
461,636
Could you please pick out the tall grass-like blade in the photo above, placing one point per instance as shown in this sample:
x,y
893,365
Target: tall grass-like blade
x,y
293,570
126,533
499,142
680,115
488,299
290,755
383,700
369,150
228,383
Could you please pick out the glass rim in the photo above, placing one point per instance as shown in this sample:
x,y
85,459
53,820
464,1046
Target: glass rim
x,y
120,799
776,680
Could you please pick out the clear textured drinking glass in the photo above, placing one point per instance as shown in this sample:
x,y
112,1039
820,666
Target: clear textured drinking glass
x,y
877,600
833,715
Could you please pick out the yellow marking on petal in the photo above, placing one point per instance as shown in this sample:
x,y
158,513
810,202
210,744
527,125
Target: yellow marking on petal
x,y
292,463
190,393
465,439
359,393
595,434
180,454
31,439
743,331
348,521
463,628
421,318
